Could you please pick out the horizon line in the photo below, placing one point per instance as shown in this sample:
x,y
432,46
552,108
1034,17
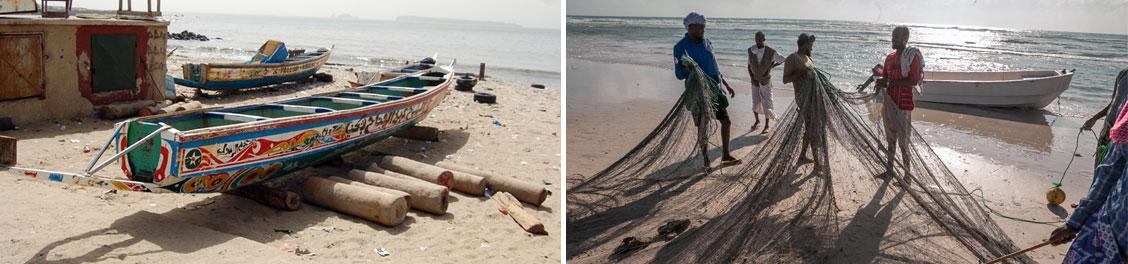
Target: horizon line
x,y
877,22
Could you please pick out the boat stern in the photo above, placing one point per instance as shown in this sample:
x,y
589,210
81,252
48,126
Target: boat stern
x,y
152,160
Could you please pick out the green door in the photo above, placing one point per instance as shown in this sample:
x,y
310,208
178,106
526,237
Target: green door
x,y
114,61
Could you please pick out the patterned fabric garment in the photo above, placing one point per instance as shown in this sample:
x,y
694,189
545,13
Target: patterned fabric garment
x,y
1119,96
902,95
1106,201
1095,243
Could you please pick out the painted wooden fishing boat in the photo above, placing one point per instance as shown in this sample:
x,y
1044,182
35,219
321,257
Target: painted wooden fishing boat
x,y
1033,89
220,149
255,73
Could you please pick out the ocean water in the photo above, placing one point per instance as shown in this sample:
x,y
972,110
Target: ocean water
x,y
515,54
848,49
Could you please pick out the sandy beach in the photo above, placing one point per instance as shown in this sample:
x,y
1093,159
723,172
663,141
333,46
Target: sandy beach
x,y
53,223
1011,155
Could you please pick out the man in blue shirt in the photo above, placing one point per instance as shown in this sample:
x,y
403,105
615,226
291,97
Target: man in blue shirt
x,y
701,50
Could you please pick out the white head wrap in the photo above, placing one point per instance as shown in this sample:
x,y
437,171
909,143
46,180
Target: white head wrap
x,y
693,18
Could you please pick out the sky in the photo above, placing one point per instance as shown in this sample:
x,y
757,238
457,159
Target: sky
x,y
527,13
1099,16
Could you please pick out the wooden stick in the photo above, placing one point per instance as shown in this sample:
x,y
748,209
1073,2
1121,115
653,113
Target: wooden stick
x,y
524,191
466,182
406,196
277,198
482,72
416,169
366,203
425,196
1011,255
374,167
517,212
7,151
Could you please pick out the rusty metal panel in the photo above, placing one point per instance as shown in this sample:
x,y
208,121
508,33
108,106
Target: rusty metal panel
x,y
21,65
17,6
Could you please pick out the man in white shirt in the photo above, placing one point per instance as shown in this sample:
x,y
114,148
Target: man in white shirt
x,y
761,60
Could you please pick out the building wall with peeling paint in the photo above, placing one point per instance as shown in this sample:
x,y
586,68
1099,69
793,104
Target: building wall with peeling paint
x,y
67,69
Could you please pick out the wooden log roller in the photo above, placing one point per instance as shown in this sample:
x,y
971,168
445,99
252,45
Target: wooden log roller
x,y
416,169
366,203
524,191
375,167
425,196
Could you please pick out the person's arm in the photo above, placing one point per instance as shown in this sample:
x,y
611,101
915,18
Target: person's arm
x,y
751,65
777,60
1093,120
732,93
788,70
679,69
1095,199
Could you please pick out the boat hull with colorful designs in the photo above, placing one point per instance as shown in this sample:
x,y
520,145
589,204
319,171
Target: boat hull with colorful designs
x,y
230,76
221,149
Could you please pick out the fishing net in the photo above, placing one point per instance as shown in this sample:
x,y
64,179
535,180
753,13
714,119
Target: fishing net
x,y
659,203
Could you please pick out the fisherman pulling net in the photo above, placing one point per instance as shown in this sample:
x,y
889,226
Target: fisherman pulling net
x,y
657,204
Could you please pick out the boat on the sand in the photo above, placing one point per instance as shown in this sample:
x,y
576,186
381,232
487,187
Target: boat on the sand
x,y
221,149
272,64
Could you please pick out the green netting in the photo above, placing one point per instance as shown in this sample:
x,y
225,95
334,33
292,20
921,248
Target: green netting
x,y
776,207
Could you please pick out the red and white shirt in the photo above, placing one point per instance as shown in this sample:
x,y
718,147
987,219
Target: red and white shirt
x,y
902,95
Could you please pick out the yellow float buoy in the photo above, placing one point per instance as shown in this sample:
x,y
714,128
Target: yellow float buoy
x,y
1055,196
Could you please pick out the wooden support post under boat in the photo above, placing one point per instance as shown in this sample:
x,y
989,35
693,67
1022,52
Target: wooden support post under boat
x,y
421,133
416,169
523,218
7,151
425,196
277,198
379,207
528,192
